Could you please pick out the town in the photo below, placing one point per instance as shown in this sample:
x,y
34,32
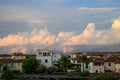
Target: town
x,y
89,62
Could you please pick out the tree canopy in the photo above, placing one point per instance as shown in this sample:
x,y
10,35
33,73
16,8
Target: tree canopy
x,y
30,65
84,60
64,63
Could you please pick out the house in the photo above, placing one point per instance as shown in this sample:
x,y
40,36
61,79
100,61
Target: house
x,y
56,57
47,57
18,56
11,64
15,65
97,62
5,56
13,61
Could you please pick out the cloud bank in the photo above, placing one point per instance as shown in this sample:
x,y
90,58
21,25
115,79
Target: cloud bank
x,y
63,40
96,10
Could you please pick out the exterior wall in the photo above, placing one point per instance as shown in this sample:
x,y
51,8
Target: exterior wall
x,y
41,57
73,56
74,61
90,69
97,68
56,57
18,57
108,67
15,66
117,67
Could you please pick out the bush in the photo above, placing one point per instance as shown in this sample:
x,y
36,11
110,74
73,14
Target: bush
x,y
58,69
16,72
108,71
104,76
85,73
51,69
78,70
99,77
7,75
41,69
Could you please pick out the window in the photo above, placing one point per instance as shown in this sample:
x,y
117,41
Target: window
x,y
40,53
39,61
89,67
12,65
96,71
73,62
109,64
95,63
46,61
86,65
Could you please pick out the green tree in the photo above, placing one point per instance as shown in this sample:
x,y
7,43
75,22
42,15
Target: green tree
x,y
84,60
29,65
7,75
64,63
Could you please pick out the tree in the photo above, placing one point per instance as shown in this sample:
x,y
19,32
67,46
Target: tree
x,y
7,75
29,65
84,60
64,63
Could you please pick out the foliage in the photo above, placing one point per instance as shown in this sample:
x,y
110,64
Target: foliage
x,y
51,69
41,69
104,76
64,63
30,65
58,69
78,70
16,72
85,74
108,71
7,75
99,77
84,60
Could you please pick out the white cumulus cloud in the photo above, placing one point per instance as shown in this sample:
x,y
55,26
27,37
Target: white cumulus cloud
x,y
42,37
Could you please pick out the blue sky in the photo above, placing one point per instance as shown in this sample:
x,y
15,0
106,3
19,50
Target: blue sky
x,y
75,18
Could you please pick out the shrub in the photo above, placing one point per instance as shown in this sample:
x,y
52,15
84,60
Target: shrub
x,y
104,76
85,73
7,75
51,69
41,69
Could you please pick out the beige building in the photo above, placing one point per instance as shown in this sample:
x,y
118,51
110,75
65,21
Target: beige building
x,y
47,57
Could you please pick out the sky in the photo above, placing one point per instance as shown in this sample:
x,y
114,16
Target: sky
x,y
62,25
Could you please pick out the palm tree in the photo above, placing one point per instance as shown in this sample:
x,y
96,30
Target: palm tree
x,y
64,63
84,60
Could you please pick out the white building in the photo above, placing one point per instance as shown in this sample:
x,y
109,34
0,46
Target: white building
x,y
47,57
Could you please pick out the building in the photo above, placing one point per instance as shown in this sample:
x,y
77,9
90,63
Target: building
x,y
98,62
17,56
13,61
47,57
5,56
